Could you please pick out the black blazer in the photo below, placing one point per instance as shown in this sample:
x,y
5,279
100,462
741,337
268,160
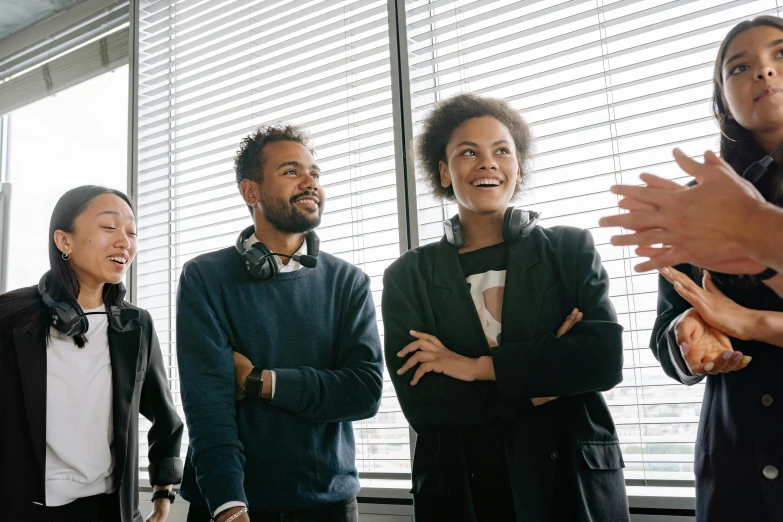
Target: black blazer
x,y
741,426
565,452
139,386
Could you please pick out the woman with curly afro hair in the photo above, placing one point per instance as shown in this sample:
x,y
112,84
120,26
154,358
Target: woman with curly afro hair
x,y
503,393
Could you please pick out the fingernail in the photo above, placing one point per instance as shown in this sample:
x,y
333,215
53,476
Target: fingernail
x,y
747,359
726,355
737,356
677,152
708,367
706,272
412,332
678,285
665,270
684,348
575,310
399,372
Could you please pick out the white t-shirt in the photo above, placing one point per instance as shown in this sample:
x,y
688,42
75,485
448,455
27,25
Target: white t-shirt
x,y
79,428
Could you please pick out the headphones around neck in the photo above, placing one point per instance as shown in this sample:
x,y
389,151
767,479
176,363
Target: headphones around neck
x,y
517,223
67,315
260,261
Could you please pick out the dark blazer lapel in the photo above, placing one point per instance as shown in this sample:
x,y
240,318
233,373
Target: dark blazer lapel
x,y
526,281
31,358
454,310
124,349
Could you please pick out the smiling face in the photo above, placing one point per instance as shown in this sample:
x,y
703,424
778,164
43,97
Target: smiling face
x,y
481,165
290,196
103,242
752,81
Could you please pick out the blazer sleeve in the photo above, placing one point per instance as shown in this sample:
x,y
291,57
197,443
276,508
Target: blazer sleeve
x,y
350,392
437,400
206,371
663,341
588,358
165,435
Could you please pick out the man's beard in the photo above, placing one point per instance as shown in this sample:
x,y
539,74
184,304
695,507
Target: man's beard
x,y
285,217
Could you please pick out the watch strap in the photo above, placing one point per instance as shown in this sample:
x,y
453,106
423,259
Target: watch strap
x,y
254,383
164,493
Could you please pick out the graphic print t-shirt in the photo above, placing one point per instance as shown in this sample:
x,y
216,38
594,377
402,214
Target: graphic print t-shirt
x,y
485,272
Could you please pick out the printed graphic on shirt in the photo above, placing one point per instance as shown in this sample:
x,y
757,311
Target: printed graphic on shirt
x,y
487,292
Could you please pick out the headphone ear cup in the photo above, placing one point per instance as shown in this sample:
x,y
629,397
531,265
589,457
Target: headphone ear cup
x,y
509,235
453,232
517,223
68,317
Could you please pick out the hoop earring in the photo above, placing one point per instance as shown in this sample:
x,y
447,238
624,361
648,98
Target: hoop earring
x,y
66,256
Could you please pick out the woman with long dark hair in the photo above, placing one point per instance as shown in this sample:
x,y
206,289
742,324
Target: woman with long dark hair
x,y
78,364
715,324
499,340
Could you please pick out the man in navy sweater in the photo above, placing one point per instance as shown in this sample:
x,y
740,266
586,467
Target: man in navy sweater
x,y
288,453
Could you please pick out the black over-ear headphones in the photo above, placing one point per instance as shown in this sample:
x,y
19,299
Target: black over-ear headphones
x,y
68,317
517,223
259,259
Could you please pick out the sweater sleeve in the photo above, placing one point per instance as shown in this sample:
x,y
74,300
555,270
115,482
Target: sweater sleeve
x,y
206,369
587,358
352,391
663,341
165,434
437,400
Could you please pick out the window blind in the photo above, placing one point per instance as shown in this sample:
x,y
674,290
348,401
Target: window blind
x,y
608,88
212,71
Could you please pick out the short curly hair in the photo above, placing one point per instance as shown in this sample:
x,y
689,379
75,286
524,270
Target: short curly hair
x,y
249,161
449,114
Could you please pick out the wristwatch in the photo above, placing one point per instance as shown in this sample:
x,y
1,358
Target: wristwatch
x,y
254,383
164,493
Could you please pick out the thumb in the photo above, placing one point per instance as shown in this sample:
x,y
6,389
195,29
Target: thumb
x,y
689,165
710,158
708,284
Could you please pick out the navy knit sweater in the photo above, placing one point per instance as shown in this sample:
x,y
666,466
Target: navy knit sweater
x,y
316,328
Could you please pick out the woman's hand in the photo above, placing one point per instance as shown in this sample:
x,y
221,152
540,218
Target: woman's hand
x,y
706,350
431,356
715,309
242,368
574,317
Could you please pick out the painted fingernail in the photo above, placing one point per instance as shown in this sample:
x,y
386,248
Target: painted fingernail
x,y
708,367
737,356
726,355
684,348
747,359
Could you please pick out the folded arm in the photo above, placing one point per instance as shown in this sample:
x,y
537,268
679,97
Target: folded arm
x,y
206,369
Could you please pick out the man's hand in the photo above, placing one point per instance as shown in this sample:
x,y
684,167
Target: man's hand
x,y
574,317
160,508
705,225
706,350
242,368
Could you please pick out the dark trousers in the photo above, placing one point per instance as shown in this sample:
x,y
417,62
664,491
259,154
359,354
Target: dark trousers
x,y
346,511
98,508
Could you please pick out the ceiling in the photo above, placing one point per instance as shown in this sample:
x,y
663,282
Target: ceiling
x,y
18,15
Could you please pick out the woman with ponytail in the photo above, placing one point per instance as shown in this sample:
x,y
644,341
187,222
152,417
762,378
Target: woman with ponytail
x,y
77,365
